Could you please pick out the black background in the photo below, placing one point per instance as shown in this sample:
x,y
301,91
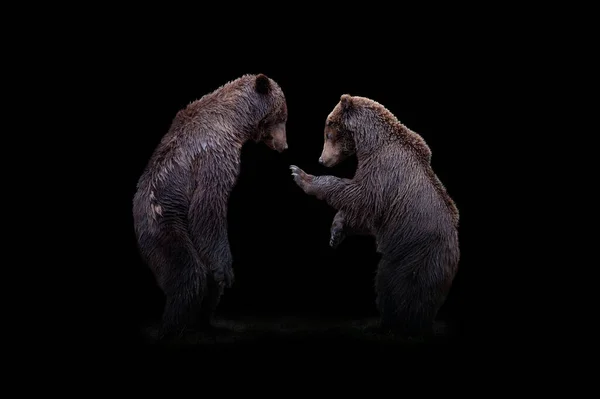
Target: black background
x,y
479,84
279,236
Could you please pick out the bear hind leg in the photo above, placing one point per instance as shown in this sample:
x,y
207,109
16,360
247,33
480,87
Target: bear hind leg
x,y
182,278
210,304
221,277
402,319
403,305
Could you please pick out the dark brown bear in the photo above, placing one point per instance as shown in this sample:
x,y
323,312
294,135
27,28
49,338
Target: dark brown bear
x,y
396,197
180,207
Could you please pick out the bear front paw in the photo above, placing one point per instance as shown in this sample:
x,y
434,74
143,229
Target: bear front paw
x,y
224,278
301,178
337,236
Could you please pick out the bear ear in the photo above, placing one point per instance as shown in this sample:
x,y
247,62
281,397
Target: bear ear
x,y
346,101
262,84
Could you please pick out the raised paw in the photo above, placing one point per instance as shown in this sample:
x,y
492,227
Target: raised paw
x,y
301,178
298,173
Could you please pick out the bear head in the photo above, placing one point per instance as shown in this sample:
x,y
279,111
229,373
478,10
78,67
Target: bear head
x,y
339,142
272,128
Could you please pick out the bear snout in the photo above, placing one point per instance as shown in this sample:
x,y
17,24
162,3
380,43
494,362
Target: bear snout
x,y
280,147
277,145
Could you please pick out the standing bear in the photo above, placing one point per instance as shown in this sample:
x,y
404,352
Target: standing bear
x,y
396,197
180,206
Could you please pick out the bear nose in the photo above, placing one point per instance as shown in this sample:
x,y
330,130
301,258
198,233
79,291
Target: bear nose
x,y
321,160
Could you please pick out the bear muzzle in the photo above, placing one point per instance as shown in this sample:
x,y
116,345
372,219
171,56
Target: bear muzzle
x,y
277,145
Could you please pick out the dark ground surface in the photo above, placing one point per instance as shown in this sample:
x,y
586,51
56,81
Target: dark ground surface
x,y
248,332
296,347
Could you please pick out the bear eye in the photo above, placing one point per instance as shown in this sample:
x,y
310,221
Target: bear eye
x,y
328,135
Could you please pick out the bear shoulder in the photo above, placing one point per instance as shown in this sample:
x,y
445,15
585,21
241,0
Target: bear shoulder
x,y
416,142
419,147
406,136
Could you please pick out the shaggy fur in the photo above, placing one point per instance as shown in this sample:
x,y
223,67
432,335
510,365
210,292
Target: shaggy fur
x,y
180,207
396,197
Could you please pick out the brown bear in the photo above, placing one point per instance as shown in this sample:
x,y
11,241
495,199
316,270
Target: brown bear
x,y
180,206
396,197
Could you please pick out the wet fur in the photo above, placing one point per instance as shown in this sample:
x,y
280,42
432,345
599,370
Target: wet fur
x,y
180,206
396,197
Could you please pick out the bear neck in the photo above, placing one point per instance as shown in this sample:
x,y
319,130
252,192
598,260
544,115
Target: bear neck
x,y
367,148
242,123
246,113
